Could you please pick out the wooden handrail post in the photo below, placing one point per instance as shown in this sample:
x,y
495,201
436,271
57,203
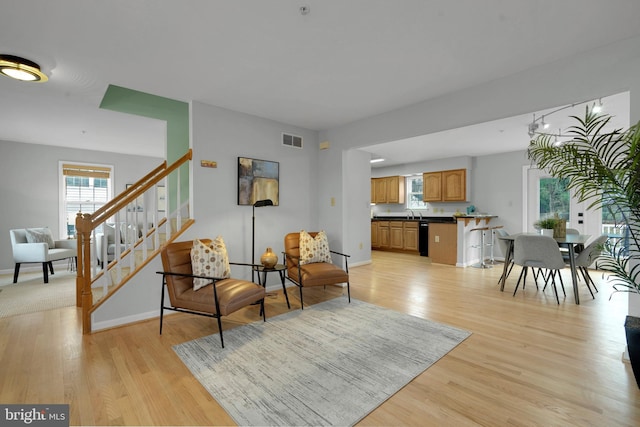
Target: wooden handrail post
x,y
83,278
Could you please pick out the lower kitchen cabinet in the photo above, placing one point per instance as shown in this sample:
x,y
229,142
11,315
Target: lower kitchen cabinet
x,y
410,236
374,235
400,236
395,235
383,234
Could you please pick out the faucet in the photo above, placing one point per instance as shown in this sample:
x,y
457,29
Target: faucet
x,y
412,214
420,213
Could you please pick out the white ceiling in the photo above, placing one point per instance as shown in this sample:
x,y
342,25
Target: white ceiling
x,y
343,61
499,136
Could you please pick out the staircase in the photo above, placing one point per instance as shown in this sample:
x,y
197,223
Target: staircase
x,y
119,239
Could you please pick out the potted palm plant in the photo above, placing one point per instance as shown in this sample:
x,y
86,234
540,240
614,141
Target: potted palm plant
x,y
603,169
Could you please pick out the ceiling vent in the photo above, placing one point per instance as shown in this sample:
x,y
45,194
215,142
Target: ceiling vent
x,y
291,140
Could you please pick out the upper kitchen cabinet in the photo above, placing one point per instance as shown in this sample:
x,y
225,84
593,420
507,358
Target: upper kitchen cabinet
x,y
445,186
388,189
432,187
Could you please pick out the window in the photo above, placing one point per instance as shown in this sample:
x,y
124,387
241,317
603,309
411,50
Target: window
x,y
414,193
554,198
83,188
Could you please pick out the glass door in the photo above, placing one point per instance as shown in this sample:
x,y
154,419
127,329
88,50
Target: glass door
x,y
546,196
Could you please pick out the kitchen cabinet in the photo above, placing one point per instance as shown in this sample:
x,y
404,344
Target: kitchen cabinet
x,y
396,235
432,186
396,232
443,243
410,236
388,189
379,186
445,186
383,234
374,235
395,189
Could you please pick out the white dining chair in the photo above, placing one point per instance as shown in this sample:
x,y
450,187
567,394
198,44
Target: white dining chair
x,y
587,257
540,252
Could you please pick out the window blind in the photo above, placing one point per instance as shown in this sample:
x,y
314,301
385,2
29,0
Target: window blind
x,y
89,171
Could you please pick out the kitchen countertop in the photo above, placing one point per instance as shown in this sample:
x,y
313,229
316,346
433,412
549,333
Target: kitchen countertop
x,y
476,216
441,219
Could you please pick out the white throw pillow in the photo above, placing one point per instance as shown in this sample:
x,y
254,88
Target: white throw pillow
x,y
40,235
314,249
209,260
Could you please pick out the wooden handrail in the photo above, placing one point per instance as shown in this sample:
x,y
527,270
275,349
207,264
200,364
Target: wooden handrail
x,y
136,190
129,190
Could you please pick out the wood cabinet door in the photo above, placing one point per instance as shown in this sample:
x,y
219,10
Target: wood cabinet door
x,y
393,193
374,234
454,184
410,236
432,186
380,190
373,190
383,234
395,235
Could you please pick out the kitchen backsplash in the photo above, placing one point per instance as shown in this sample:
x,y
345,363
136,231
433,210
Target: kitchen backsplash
x,y
434,209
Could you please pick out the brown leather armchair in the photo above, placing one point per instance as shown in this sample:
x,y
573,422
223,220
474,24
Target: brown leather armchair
x,y
219,298
315,274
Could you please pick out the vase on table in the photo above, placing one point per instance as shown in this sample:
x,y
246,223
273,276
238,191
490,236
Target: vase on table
x,y
268,259
547,232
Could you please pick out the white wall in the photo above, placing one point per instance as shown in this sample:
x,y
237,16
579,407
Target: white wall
x,y
222,136
357,201
29,185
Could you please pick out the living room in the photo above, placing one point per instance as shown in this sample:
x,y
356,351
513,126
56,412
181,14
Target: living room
x,y
326,189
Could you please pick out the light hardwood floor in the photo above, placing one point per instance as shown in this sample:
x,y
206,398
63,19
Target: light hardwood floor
x,y
528,361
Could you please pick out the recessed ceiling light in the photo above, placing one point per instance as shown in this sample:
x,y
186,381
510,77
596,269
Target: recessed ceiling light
x,y
376,160
21,69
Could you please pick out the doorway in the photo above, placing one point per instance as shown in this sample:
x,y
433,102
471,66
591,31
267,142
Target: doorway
x,y
545,196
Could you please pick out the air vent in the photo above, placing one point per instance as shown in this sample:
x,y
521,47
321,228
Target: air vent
x,y
291,140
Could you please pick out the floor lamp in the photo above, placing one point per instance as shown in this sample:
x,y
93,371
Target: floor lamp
x,y
257,204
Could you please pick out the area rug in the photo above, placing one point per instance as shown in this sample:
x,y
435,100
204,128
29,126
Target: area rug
x,y
31,294
329,364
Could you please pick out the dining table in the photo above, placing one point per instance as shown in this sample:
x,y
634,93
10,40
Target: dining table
x,y
573,243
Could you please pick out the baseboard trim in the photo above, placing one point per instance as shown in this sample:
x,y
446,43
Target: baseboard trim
x,y
126,320
359,263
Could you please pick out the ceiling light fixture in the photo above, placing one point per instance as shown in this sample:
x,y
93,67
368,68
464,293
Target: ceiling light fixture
x,y
21,69
597,108
376,160
534,127
544,125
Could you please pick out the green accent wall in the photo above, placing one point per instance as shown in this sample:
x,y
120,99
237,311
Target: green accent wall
x,y
175,113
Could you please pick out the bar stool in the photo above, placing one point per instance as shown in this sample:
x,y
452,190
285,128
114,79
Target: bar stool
x,y
482,263
492,261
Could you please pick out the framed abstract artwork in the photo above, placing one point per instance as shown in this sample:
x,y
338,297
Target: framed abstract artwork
x,y
258,180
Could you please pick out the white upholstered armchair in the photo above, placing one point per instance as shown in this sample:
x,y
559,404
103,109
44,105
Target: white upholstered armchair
x,y
36,245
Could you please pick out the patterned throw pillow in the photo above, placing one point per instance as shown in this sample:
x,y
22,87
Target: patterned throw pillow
x,y
40,235
209,260
314,249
